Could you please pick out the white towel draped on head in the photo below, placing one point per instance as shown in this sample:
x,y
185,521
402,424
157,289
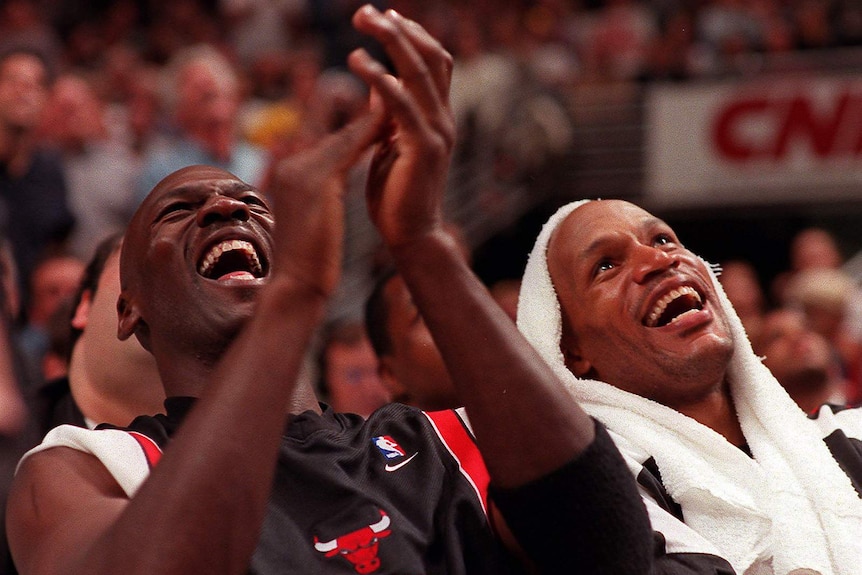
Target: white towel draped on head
x,y
790,509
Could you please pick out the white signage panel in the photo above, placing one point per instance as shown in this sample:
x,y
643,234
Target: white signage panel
x,y
776,140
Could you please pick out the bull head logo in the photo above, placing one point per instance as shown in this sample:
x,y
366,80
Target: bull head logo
x,y
360,546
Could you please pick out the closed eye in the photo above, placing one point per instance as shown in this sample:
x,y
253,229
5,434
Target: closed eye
x,y
253,200
173,208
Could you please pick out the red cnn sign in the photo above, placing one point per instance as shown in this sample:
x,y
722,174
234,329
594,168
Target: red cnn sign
x,y
769,127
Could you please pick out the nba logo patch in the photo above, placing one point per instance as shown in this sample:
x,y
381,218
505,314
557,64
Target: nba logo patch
x,y
387,446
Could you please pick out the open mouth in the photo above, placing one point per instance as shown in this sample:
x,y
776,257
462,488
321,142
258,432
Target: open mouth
x,y
231,259
674,305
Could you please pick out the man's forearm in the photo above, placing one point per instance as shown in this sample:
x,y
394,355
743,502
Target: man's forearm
x,y
514,400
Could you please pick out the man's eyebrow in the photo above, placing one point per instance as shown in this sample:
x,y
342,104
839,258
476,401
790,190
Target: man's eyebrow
x,y
206,188
598,245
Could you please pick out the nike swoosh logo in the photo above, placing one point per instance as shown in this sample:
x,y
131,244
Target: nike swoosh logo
x,y
398,466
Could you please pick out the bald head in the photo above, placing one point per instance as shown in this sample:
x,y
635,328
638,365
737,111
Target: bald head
x,y
639,311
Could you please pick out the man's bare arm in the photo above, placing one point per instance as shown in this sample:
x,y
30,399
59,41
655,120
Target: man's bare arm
x,y
514,400
548,461
201,508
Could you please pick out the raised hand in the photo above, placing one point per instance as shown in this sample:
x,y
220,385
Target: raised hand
x,y
307,189
409,170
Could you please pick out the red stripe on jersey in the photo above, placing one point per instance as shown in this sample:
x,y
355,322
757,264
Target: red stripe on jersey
x,y
151,450
454,435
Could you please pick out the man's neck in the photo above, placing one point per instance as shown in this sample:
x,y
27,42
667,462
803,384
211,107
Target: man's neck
x,y
717,412
191,380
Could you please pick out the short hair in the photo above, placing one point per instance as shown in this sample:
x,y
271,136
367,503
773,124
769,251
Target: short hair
x,y
377,315
205,55
90,281
47,65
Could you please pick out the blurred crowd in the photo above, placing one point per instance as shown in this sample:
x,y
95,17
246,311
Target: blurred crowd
x,y
806,322
101,99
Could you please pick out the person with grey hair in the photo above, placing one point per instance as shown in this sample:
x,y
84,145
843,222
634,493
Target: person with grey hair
x,y
735,477
201,93
247,472
33,190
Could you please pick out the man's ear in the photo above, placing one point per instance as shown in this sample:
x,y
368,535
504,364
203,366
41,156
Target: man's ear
x,y
576,362
82,311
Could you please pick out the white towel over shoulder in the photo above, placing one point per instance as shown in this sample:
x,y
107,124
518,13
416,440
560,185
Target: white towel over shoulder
x,y
789,509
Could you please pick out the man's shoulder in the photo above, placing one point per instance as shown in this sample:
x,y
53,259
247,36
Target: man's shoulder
x,y
446,432
127,455
442,422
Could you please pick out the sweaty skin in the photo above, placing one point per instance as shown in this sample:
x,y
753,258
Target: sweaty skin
x,y
237,342
614,267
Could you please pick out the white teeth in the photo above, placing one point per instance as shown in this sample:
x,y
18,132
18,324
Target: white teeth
x,y
230,245
661,304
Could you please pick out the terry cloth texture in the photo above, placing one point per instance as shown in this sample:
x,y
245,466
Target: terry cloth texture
x,y
789,508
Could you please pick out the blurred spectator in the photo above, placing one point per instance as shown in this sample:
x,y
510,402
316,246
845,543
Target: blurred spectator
x,y
811,21
202,94
825,296
259,27
814,248
329,21
832,300
282,120
177,25
100,174
337,96
727,29
32,186
13,412
54,281
349,377
14,416
316,102
619,39
743,288
267,79
847,19
129,88
776,32
410,364
513,130
10,295
801,359
24,26
55,363
673,53
108,380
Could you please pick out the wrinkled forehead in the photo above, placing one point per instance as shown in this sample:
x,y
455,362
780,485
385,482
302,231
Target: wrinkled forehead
x,y
589,223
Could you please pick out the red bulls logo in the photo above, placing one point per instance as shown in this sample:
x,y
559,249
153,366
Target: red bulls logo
x,y
360,546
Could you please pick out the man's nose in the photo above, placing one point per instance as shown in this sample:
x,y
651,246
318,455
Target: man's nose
x,y
222,208
650,261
